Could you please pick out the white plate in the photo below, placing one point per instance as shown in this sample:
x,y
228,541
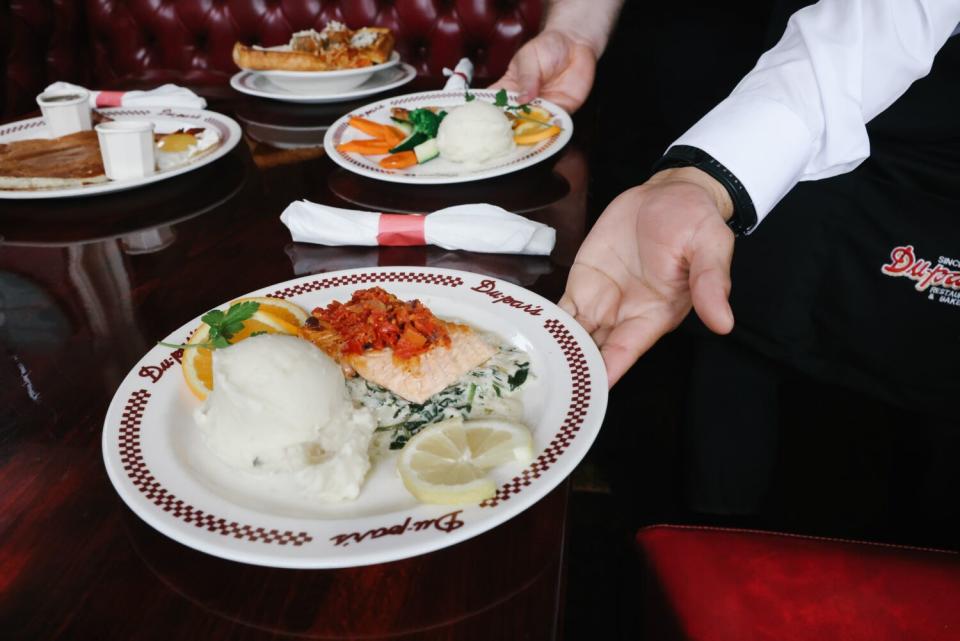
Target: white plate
x,y
164,473
328,82
254,84
165,119
439,170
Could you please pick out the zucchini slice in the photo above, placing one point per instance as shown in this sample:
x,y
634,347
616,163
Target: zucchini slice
x,y
410,142
426,150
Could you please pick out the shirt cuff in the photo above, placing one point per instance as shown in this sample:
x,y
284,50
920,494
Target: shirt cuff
x,y
761,141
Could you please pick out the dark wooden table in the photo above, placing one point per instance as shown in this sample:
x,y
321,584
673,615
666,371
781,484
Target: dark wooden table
x,y
88,285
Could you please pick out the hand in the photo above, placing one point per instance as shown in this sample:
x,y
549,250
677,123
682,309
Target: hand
x,y
657,250
553,65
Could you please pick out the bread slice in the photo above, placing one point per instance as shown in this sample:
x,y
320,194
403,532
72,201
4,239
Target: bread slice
x,y
44,163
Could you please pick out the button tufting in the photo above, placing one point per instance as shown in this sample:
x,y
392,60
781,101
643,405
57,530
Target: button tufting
x,y
129,40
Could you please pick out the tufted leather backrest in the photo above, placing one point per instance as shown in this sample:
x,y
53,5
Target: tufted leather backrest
x,y
116,42
40,41
190,40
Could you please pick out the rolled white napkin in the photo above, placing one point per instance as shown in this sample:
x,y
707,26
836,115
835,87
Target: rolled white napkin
x,y
168,95
460,77
477,228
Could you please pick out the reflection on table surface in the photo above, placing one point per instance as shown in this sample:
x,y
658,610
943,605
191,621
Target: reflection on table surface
x,y
87,285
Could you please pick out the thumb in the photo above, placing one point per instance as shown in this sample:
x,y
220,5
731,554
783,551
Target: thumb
x,y
710,276
527,74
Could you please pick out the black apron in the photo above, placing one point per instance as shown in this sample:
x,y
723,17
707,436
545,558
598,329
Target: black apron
x,y
853,281
856,279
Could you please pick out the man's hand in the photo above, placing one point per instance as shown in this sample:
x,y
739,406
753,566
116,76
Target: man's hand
x,y
657,250
553,65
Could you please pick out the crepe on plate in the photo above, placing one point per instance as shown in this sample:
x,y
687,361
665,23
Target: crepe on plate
x,y
44,163
75,160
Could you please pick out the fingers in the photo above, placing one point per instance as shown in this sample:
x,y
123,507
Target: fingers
x,y
628,341
508,81
710,276
594,300
566,304
527,74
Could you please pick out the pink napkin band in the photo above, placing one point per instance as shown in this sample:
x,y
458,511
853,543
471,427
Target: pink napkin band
x,y
110,98
401,230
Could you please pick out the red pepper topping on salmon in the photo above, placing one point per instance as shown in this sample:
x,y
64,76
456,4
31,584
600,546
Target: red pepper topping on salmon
x,y
399,345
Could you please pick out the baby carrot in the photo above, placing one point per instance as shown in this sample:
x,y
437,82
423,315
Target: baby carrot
x,y
399,160
366,147
368,127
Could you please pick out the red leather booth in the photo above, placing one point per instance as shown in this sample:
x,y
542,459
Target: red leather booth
x,y
106,43
713,584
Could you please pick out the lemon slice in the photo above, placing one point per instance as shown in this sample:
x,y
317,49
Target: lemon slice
x,y
283,309
197,362
448,462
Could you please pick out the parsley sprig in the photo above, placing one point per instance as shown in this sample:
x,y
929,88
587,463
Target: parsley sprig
x,y
223,325
500,100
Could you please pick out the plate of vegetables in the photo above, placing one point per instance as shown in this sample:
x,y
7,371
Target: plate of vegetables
x,y
438,137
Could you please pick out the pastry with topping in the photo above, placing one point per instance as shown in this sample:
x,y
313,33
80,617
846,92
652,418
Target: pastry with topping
x,y
335,48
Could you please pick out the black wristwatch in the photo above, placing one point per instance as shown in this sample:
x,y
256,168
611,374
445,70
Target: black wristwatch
x,y
744,217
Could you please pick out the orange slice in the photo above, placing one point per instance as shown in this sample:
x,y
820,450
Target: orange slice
x,y
278,307
526,123
198,361
536,136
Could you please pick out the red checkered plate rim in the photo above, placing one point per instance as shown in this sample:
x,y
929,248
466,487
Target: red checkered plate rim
x,y
165,119
439,170
164,473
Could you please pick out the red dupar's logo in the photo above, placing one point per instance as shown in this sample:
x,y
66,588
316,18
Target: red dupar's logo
x,y
924,273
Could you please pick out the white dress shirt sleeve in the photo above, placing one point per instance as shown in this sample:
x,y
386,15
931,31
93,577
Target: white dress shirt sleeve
x,y
801,113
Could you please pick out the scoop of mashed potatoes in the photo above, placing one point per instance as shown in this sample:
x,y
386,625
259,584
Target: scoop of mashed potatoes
x,y
279,405
475,133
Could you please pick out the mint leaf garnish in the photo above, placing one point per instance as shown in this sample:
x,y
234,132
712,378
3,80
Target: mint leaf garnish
x,y
222,325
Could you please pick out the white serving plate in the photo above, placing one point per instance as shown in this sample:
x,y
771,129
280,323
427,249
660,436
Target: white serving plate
x,y
439,170
161,469
165,120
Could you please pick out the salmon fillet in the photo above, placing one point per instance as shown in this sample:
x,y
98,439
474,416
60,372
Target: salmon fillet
x,y
451,351
416,378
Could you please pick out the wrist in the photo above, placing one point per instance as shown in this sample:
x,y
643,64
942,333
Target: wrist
x,y
742,216
691,175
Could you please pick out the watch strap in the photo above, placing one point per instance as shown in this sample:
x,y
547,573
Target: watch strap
x,y
744,218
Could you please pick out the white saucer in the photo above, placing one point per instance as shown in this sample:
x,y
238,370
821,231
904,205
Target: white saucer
x,y
254,83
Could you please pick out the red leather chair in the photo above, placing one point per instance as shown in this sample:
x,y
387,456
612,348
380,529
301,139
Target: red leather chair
x,y
734,585
116,43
